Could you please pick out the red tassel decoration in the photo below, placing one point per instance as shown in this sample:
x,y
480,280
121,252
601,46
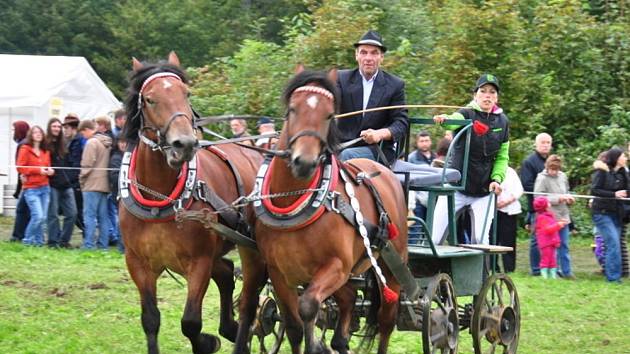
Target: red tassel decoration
x,y
392,230
389,295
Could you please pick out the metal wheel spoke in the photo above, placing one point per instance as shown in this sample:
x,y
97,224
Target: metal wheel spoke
x,y
435,337
261,340
437,350
276,333
494,346
449,297
499,292
489,304
439,303
482,332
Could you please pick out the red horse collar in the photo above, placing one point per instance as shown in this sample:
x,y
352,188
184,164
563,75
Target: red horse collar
x,y
306,209
155,210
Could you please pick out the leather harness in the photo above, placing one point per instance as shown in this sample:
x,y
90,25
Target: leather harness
x,y
188,189
312,206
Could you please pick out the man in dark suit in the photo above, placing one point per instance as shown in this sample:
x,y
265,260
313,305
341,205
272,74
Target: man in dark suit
x,y
368,87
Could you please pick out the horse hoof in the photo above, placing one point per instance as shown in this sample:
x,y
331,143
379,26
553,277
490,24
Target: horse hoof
x,y
208,344
229,333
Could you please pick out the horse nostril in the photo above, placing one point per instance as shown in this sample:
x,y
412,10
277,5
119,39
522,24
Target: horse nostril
x,y
184,143
177,144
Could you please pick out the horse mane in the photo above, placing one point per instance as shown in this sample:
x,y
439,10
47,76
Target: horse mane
x,y
319,78
136,79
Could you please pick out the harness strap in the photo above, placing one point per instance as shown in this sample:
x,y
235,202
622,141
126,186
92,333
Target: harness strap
x,y
235,219
382,229
339,205
230,216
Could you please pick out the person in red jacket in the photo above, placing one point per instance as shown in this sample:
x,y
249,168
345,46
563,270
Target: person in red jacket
x,y
547,236
34,161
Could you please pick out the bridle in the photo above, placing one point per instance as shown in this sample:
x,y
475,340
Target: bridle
x,y
161,145
325,148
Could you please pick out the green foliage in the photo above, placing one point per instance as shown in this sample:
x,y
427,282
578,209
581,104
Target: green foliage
x,y
250,82
325,39
579,158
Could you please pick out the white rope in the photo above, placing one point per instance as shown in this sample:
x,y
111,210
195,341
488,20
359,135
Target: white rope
x,y
354,202
584,196
68,168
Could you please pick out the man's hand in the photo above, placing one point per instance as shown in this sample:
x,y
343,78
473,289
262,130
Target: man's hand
x,y
372,136
439,119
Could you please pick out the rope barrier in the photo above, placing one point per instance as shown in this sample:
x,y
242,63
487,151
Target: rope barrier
x,y
68,168
584,196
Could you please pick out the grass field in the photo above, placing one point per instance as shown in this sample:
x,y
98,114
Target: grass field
x,y
71,301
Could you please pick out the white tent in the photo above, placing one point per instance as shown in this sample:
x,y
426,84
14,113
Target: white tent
x,y
35,88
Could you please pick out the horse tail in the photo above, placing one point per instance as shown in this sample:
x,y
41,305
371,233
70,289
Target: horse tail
x,y
373,294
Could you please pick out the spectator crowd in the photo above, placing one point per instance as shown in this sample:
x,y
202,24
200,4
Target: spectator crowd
x,y
67,177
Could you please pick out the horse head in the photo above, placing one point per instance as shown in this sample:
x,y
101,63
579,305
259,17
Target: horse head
x,y
309,130
162,116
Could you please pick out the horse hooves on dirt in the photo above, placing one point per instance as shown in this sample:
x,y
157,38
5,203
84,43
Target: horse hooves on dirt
x,y
208,344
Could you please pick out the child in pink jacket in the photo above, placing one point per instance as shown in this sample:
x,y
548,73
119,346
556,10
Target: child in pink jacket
x,y
547,235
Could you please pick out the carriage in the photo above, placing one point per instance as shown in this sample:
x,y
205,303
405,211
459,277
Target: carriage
x,y
190,227
442,273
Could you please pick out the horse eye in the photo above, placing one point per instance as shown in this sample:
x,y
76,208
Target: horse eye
x,y
150,101
188,94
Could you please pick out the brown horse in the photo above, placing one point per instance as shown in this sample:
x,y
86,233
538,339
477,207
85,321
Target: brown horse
x,y
166,172
321,251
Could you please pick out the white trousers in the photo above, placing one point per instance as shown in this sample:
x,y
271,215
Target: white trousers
x,y
481,208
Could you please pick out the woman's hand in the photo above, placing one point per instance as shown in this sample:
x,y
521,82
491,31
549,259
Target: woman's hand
x,y
47,171
621,194
495,187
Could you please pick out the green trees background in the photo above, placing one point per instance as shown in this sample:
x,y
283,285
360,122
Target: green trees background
x,y
564,65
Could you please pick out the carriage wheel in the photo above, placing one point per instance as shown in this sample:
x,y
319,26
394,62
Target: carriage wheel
x,y
496,320
268,327
440,326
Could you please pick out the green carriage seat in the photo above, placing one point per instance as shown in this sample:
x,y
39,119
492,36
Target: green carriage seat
x,y
436,181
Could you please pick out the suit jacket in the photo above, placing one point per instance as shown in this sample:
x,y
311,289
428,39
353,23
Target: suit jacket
x,y
388,90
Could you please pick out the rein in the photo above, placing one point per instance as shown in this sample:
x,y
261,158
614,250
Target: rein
x,y
384,108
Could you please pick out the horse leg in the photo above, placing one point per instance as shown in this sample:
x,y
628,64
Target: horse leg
x,y
345,298
146,282
287,302
326,281
387,313
198,280
254,277
223,276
